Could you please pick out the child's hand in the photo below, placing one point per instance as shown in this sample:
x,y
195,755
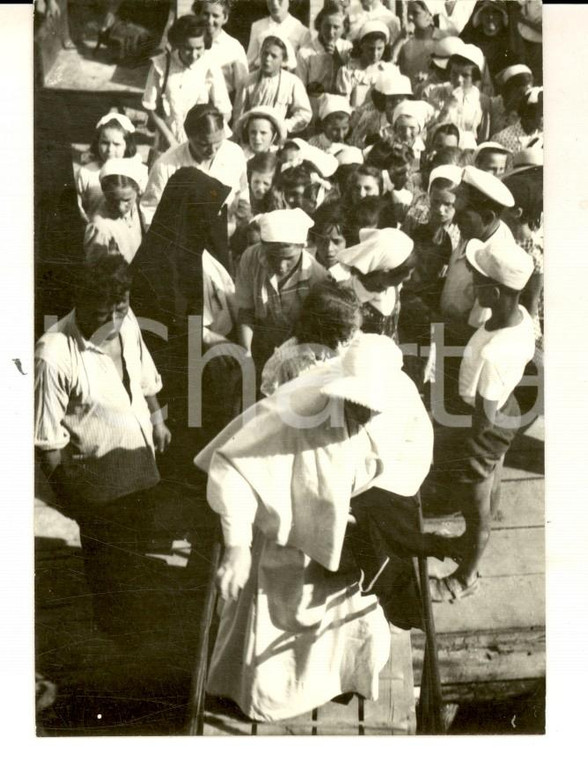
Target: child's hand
x,y
161,437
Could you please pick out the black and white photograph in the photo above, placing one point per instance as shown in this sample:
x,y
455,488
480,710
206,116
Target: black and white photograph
x,y
288,376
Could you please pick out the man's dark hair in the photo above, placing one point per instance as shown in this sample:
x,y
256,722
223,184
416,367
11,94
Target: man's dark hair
x,y
331,314
105,281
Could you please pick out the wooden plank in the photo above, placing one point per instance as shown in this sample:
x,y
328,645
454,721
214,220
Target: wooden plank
x,y
337,714
394,710
516,601
217,724
517,551
284,728
489,691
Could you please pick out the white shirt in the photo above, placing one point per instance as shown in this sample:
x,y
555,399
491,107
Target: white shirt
x,y
89,190
358,16
494,361
228,166
83,409
228,53
186,86
290,28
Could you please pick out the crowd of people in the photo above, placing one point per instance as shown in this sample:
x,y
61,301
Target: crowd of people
x,y
318,208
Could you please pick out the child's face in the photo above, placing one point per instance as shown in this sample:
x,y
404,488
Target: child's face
x,y
398,174
111,143
406,129
330,31
492,22
390,105
259,185
362,186
281,258
467,217
191,50
120,201
213,16
261,135
442,204
336,127
461,75
419,16
295,196
271,59
329,243
289,154
278,9
493,163
372,49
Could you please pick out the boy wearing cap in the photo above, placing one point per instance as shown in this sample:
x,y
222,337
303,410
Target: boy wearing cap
x,y
273,279
334,115
512,84
492,366
371,10
491,157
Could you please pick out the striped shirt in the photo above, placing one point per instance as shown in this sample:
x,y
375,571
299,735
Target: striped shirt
x,y
83,409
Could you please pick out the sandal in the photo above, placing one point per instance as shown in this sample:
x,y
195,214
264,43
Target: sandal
x,y
451,589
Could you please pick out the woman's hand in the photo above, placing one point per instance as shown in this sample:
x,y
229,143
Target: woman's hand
x,y
234,571
161,437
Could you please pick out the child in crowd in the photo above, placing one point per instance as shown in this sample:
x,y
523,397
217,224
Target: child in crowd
x,y
359,13
281,22
225,51
527,132
379,264
349,159
491,157
442,51
328,233
375,114
369,58
114,138
320,60
260,130
493,365
363,182
525,221
366,214
115,227
395,160
181,78
512,83
260,173
272,85
326,327
460,100
433,246
273,279
413,54
334,117
408,125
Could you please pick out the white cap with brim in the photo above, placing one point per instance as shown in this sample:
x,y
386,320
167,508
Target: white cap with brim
x,y
444,48
446,171
324,163
488,185
502,261
392,83
371,27
532,97
262,112
473,54
384,249
511,71
333,104
124,167
349,155
290,62
124,121
419,110
493,146
367,371
284,226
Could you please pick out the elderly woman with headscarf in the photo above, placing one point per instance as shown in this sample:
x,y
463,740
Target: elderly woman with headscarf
x,y
295,629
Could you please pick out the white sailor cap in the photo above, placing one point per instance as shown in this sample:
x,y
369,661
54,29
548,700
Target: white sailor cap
x,y
502,261
511,71
446,171
124,121
488,185
333,104
349,154
444,48
496,147
378,249
374,26
125,167
284,226
393,83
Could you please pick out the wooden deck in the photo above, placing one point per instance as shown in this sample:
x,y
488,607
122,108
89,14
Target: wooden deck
x,y
491,646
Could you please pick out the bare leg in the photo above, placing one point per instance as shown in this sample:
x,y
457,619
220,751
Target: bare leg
x,y
475,499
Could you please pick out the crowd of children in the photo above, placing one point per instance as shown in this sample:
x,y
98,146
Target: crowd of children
x,y
382,172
